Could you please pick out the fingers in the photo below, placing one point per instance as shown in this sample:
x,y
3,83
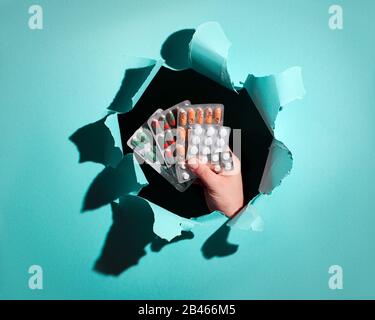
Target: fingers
x,y
203,172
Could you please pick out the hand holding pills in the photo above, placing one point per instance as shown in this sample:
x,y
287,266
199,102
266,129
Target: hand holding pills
x,y
223,191
172,141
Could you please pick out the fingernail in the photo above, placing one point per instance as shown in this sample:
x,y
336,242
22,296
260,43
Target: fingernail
x,y
193,163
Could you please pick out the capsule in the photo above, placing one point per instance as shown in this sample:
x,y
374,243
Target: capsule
x,y
217,115
164,122
136,143
171,119
168,143
199,115
208,115
182,119
169,135
155,126
180,150
151,156
168,154
181,134
191,116
142,137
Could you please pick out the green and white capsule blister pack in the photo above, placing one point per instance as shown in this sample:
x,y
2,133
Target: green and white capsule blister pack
x,y
144,147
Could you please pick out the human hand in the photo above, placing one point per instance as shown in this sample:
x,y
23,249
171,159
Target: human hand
x,y
223,191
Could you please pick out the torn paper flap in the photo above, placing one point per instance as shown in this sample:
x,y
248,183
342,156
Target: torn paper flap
x,y
271,92
208,53
247,219
278,165
136,79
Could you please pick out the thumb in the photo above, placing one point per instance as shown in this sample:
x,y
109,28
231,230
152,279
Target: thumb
x,y
203,172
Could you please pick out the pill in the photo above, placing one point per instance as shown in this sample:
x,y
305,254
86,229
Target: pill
x,y
155,125
208,141
185,176
180,150
217,168
151,156
147,147
199,115
164,122
181,134
206,150
169,135
193,150
215,157
210,131
195,140
217,115
182,165
171,119
226,155
168,153
167,143
136,143
220,142
204,159
228,166
142,136
198,130
182,119
223,132
208,115
191,116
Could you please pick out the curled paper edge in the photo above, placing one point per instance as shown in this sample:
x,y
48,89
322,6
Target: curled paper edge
x,y
278,165
271,92
208,53
139,72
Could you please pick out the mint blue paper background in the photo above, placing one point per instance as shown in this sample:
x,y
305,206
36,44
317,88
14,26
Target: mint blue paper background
x,y
55,80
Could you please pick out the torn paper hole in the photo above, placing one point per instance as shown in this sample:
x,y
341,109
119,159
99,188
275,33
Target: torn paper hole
x,y
208,52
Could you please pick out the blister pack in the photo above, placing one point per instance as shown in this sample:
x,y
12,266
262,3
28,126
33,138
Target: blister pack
x,y
163,125
145,148
210,144
194,116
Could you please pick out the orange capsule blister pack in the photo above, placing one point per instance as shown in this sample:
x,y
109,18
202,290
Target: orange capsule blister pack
x,y
194,119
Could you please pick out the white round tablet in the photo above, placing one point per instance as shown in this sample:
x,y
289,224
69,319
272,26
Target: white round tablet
x,y
210,131
193,150
206,150
208,141
215,157
228,166
204,159
195,140
198,130
223,132
220,142
185,175
226,156
217,168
